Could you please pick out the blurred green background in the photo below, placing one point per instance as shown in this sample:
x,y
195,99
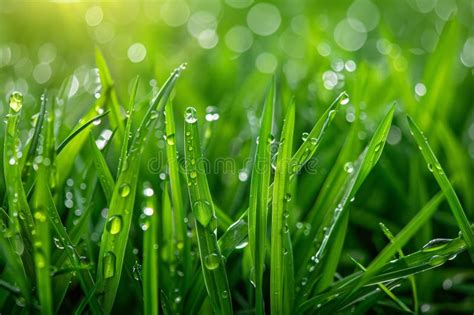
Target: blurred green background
x,y
419,53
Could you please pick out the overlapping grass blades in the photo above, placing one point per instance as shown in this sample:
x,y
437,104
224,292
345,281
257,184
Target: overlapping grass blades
x,y
258,203
212,262
119,217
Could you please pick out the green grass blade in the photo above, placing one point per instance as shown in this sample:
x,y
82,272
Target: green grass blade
x,y
108,87
119,217
18,207
149,225
105,176
386,290
212,262
435,167
324,261
306,151
179,211
258,204
280,212
78,131
391,238
128,126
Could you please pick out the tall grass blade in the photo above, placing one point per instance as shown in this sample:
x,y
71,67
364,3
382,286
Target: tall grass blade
x,y
280,213
149,225
258,204
435,167
119,217
212,262
179,211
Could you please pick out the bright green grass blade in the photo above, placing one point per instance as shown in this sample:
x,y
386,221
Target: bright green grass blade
x,y
212,262
18,207
385,290
288,276
398,242
280,212
258,203
84,277
119,217
391,238
108,87
395,272
324,261
105,176
30,149
435,167
41,235
149,225
179,211
306,151
79,130
128,126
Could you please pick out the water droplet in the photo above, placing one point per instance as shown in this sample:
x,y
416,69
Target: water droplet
x,y
40,216
304,136
344,98
430,167
154,115
212,114
58,243
285,229
170,139
287,197
203,212
225,294
192,174
109,265
314,141
16,101
348,167
241,245
212,261
40,260
137,271
124,190
144,222
435,244
437,260
190,115
12,161
114,224
270,139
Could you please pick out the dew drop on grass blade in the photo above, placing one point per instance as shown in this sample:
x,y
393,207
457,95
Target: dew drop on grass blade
x,y
279,209
435,167
119,217
258,203
212,262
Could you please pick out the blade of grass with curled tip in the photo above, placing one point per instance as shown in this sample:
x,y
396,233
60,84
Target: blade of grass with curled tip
x,y
149,225
179,211
280,213
258,203
108,87
119,217
435,167
212,262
